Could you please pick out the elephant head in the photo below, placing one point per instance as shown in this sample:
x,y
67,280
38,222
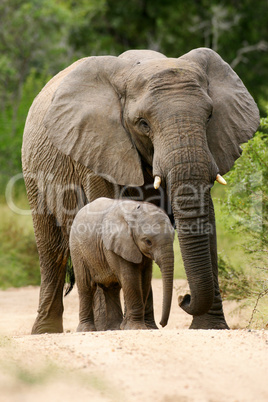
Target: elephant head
x,y
133,229
184,117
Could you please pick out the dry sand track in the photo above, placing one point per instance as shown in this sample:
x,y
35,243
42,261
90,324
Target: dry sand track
x,y
173,364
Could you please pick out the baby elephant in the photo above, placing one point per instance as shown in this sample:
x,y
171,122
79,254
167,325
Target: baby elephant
x,y
112,244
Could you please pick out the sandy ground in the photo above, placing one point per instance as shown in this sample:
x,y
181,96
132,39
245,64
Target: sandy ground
x,y
173,364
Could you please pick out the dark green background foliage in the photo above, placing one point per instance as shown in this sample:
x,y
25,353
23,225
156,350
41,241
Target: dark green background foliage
x,y
38,38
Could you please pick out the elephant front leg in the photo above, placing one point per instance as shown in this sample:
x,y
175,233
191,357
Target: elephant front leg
x,y
131,282
149,312
214,318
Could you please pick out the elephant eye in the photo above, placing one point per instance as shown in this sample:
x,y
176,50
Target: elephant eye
x,y
209,117
148,242
144,126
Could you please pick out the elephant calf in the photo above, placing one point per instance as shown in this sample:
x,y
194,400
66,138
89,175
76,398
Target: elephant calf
x,y
112,245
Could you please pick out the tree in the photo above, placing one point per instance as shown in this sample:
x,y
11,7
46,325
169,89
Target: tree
x,y
237,30
40,37
31,45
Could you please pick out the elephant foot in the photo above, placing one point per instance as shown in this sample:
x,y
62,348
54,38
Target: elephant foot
x,y
42,326
151,325
209,321
113,327
132,325
86,327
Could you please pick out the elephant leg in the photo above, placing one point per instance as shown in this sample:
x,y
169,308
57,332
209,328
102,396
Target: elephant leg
x,y
214,318
86,316
53,209
131,281
99,307
86,291
113,307
149,312
53,255
148,295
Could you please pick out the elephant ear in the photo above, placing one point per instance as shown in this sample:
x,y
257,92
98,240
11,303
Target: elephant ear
x,y
117,237
84,121
235,116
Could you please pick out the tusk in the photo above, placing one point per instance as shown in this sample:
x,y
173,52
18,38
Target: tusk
x,y
157,182
220,179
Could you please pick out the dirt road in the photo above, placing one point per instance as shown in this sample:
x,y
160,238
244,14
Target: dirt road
x,y
173,364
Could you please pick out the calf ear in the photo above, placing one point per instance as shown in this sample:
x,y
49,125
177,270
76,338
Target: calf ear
x,y
117,237
235,116
84,120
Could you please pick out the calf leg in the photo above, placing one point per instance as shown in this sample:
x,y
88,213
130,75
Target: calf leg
x,y
113,307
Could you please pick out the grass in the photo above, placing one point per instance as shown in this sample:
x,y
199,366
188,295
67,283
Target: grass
x,y
229,243
259,317
18,254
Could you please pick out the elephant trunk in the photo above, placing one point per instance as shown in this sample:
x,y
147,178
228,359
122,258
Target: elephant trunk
x,y
197,262
189,173
166,265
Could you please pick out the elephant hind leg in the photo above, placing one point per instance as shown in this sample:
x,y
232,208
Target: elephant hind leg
x,y
53,256
53,251
114,314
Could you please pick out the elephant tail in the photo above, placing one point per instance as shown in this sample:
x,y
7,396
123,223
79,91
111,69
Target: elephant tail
x,y
69,278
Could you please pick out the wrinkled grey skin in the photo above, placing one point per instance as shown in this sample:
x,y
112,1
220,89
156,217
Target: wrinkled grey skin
x,y
107,122
112,245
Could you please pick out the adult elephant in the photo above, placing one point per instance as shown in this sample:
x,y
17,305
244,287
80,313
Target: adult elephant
x,y
108,122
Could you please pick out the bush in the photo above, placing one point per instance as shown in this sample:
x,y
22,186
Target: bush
x,y
247,194
246,213
18,254
234,284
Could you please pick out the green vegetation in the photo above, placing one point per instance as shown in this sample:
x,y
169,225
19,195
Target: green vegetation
x,y
18,254
39,38
246,213
248,194
234,283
